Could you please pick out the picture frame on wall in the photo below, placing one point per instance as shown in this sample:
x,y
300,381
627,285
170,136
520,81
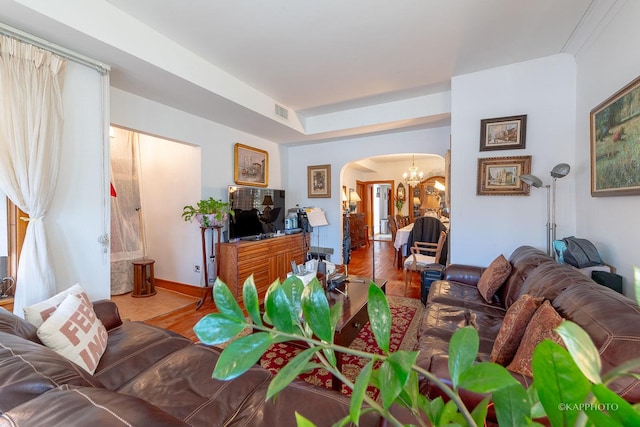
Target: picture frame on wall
x,y
615,152
319,181
500,176
503,133
251,166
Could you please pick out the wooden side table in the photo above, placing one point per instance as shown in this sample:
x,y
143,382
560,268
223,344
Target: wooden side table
x,y
143,278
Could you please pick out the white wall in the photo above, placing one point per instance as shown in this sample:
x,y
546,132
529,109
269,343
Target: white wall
x,y
216,145
482,227
78,214
339,154
170,176
604,66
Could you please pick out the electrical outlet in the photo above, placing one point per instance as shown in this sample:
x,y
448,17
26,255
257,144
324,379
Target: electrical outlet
x,y
196,268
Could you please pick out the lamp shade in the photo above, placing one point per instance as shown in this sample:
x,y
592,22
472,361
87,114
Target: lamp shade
x,y
531,180
560,170
353,196
267,201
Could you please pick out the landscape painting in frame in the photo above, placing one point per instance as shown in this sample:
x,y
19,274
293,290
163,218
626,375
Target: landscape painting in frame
x,y
504,133
251,166
500,176
615,143
319,181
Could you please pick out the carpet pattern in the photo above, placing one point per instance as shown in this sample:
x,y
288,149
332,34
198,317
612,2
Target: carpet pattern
x,y
405,315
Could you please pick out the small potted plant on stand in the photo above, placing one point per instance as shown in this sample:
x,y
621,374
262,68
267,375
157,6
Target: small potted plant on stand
x,y
208,212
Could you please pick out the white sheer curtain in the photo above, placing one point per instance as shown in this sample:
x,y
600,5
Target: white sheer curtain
x,y
127,237
31,121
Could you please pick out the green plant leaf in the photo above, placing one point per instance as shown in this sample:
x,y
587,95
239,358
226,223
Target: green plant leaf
x,y
358,392
617,408
225,301
336,314
215,328
512,405
301,421
559,382
390,383
379,317
279,309
402,362
241,355
479,413
293,287
251,302
581,348
290,371
433,409
315,309
463,348
485,377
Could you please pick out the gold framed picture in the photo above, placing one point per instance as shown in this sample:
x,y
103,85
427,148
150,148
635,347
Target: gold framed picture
x,y
319,181
500,176
251,166
615,152
504,133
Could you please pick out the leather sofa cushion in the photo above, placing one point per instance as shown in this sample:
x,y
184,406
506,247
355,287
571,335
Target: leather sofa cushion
x,y
513,327
30,369
14,325
524,260
611,320
550,280
493,277
86,406
132,348
181,384
541,327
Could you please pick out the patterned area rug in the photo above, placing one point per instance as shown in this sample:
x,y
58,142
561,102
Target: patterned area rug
x,y
405,313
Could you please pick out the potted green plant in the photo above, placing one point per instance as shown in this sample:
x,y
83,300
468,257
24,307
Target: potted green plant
x,y
208,212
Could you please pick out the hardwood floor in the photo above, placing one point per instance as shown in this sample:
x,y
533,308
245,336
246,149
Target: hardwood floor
x,y
182,319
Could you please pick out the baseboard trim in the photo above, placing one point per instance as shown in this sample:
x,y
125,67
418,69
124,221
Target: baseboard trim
x,y
194,291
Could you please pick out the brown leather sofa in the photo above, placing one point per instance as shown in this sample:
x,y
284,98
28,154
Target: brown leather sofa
x,y
148,376
610,318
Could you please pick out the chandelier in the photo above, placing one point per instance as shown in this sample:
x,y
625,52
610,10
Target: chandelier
x,y
413,177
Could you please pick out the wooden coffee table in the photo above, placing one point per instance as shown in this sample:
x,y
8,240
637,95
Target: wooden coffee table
x,y
354,313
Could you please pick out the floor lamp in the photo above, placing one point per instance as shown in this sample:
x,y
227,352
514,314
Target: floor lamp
x,y
559,171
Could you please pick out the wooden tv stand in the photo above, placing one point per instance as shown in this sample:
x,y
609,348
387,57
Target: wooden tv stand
x,y
266,259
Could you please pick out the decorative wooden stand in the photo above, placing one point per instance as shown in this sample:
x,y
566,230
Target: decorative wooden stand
x,y
143,278
214,250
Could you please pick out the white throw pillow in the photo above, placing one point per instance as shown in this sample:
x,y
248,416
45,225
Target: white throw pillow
x,y
37,313
74,331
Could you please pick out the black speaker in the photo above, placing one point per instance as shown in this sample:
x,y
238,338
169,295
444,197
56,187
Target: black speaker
x,y
610,280
322,273
346,242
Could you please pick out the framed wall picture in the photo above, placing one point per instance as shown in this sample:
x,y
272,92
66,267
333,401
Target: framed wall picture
x,y
500,176
251,166
615,152
319,181
504,133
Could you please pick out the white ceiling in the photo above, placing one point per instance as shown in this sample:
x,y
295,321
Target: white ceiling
x,y
341,68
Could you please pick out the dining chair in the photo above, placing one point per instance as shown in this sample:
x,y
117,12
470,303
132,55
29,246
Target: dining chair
x,y
394,228
419,260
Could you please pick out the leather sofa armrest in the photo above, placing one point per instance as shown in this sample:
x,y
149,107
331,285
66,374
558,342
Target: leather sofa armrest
x,y
72,406
467,274
107,312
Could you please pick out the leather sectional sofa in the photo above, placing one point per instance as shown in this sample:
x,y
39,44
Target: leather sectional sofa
x,y
610,318
147,376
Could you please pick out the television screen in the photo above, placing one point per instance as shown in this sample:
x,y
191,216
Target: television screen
x,y
257,211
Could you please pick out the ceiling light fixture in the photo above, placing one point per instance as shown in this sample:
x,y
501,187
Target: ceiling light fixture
x,y
413,177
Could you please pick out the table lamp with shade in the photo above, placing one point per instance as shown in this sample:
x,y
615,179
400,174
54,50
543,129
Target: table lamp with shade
x,y
559,171
354,198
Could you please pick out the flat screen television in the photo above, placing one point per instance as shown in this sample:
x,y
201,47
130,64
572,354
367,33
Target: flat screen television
x,y
257,211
